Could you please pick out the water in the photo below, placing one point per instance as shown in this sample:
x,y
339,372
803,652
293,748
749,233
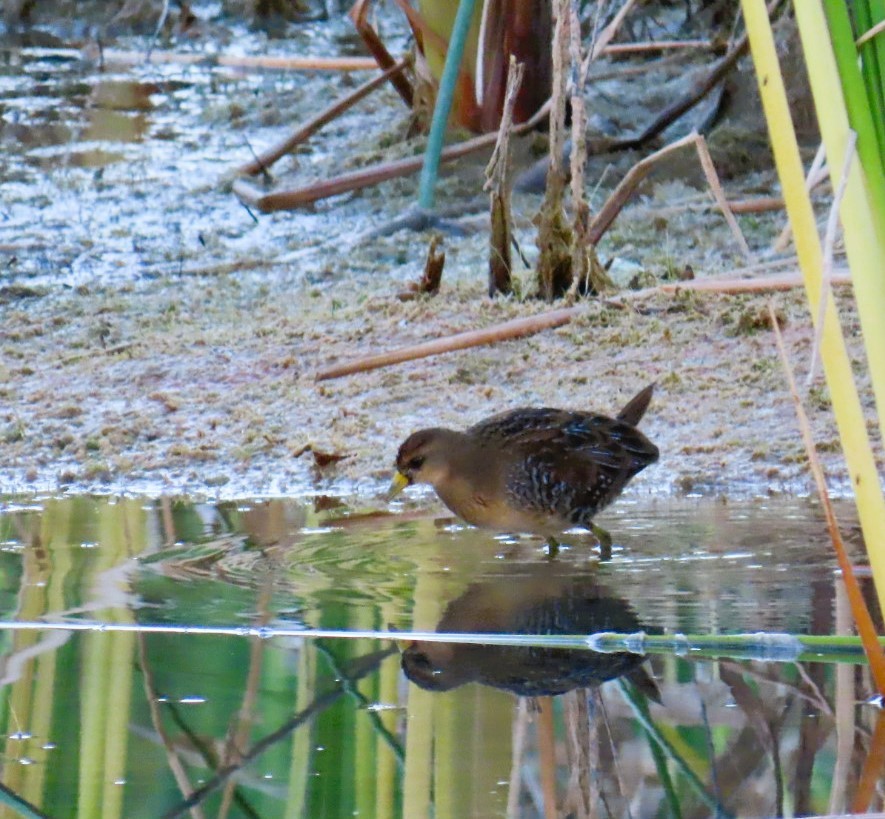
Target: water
x,y
265,719
154,652
116,172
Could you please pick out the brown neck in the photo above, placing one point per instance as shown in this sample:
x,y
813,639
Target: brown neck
x,y
471,472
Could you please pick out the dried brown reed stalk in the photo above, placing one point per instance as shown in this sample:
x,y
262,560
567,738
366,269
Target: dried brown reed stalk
x,y
862,619
554,237
499,184
619,197
431,278
871,773
517,328
460,341
299,197
264,160
236,61
828,246
586,270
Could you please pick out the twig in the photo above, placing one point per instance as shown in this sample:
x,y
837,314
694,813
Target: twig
x,y
262,162
518,743
608,33
659,45
765,728
759,204
868,35
359,14
362,702
672,112
785,281
871,773
583,253
241,727
816,174
672,61
553,267
461,341
288,200
517,328
713,181
861,614
829,243
236,61
619,197
168,522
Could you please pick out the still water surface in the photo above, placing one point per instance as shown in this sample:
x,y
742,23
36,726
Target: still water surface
x,y
131,723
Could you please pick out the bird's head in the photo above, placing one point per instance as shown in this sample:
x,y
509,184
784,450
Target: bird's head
x,y
424,457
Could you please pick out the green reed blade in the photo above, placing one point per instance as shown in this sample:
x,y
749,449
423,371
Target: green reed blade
x,y
640,701
862,111
644,719
871,70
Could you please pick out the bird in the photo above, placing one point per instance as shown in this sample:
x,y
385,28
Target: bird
x,y
530,470
530,599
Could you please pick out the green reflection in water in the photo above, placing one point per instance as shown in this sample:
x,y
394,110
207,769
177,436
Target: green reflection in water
x,y
133,724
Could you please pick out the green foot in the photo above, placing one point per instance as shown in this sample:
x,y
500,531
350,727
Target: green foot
x,y
604,539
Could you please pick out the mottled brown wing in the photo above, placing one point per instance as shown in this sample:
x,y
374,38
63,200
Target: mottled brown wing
x,y
568,464
519,425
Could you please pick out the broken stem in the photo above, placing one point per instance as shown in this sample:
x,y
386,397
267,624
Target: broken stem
x,y
498,184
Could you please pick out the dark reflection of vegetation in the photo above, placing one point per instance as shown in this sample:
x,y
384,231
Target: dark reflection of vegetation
x,y
542,601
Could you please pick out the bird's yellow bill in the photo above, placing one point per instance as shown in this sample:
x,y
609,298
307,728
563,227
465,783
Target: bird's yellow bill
x,y
397,485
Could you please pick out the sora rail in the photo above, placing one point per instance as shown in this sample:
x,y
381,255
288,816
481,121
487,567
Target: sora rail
x,y
530,470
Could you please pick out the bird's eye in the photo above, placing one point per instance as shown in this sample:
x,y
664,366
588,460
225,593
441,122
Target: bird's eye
x,y
415,463
420,660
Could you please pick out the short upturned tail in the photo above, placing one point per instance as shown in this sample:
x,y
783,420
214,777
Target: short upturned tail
x,y
636,406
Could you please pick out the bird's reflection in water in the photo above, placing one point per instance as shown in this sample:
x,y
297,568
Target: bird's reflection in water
x,y
548,598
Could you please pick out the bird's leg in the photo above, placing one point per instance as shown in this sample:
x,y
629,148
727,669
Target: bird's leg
x,y
604,539
552,547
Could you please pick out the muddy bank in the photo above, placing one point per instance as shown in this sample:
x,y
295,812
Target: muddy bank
x,y
157,337
191,384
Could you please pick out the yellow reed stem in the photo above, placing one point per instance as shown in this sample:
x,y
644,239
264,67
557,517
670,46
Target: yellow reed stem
x,y
864,243
837,365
